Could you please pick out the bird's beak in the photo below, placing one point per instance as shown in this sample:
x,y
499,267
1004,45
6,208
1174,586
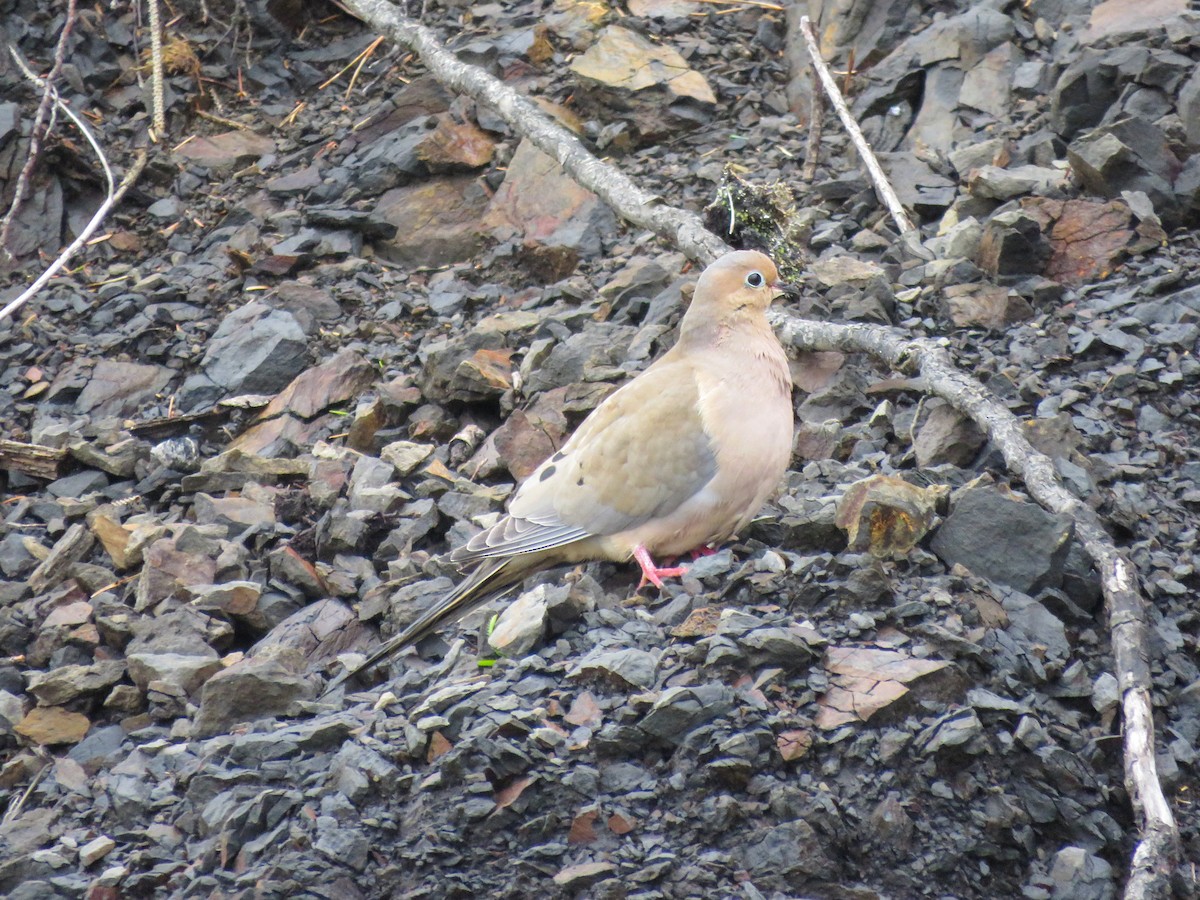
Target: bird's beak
x,y
785,289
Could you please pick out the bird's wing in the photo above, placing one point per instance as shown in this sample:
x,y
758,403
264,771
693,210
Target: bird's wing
x,y
640,454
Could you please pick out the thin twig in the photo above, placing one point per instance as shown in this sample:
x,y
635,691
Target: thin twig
x,y
887,195
156,74
816,125
10,814
112,200
35,135
67,111
115,193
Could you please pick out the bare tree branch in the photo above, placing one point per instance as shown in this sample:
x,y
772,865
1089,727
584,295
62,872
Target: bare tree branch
x,y
883,188
156,73
39,128
115,193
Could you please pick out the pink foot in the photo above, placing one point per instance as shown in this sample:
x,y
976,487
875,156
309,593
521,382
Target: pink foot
x,y
652,574
702,550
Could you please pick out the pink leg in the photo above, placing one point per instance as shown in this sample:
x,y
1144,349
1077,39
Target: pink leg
x,y
702,550
652,574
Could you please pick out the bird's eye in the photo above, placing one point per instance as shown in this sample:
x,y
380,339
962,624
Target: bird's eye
x,y
755,279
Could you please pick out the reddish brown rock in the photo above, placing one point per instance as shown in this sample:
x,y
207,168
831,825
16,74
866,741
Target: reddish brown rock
x,y
984,306
540,205
167,570
438,221
866,680
48,725
222,152
1089,238
455,146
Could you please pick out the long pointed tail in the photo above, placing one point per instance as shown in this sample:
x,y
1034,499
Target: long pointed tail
x,y
474,590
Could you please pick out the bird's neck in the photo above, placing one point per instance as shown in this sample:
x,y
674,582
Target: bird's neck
x,y
746,338
703,329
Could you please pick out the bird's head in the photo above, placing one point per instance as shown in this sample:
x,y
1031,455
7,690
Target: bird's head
x,y
737,283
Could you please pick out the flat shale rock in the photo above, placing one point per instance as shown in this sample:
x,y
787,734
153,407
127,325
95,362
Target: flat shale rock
x,y
255,349
1004,539
984,306
539,205
50,725
437,222
120,388
250,689
222,153
651,85
66,683
1086,239
1131,154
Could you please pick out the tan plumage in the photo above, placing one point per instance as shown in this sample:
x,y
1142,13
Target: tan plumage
x,y
679,458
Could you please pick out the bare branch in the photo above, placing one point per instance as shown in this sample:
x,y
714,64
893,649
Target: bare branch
x,y
67,111
39,127
816,125
115,193
156,73
887,195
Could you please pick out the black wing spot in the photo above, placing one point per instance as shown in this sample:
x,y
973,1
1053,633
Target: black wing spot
x,y
558,457
580,481
547,472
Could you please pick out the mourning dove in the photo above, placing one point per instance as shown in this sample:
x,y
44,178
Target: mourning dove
x,y
677,460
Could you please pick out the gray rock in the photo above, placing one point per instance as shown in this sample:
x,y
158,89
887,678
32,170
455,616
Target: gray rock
x,y
1089,87
947,436
793,848
1034,624
15,560
1130,154
680,709
406,456
952,730
188,671
361,773
995,183
67,683
788,647
521,625
121,388
392,160
1079,875
593,354
99,747
256,349
1005,540
253,688
634,668
1188,105
961,240
1013,244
